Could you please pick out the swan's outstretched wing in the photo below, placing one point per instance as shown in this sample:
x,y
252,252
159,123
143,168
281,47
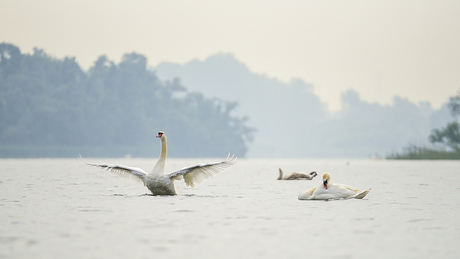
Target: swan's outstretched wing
x,y
195,175
134,173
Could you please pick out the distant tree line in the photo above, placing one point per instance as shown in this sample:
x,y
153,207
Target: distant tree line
x,y
448,137
52,108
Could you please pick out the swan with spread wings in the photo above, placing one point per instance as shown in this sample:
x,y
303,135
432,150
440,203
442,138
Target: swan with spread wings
x,y
160,183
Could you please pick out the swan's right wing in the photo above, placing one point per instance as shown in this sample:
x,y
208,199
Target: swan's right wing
x,y
134,173
195,175
305,195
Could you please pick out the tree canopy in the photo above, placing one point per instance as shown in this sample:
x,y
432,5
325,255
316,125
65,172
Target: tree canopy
x,y
454,105
449,135
51,107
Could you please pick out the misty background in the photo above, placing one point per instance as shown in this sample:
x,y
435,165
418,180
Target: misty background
x,y
51,107
273,79
381,49
291,121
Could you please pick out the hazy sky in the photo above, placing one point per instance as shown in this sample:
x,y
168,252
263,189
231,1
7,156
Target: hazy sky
x,y
379,48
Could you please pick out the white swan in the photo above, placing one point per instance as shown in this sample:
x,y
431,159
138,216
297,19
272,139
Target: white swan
x,y
332,191
296,175
160,183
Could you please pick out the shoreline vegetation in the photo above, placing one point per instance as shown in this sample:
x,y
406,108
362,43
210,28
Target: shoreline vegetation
x,y
414,152
57,151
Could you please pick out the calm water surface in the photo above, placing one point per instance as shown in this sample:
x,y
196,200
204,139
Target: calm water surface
x,y
62,208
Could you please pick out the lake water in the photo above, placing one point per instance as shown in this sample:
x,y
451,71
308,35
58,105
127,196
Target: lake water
x,y
62,208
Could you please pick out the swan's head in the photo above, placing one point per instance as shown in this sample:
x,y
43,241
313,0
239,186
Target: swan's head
x,y
326,180
160,134
313,174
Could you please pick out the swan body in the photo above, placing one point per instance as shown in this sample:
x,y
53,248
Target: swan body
x,y
296,175
160,183
332,191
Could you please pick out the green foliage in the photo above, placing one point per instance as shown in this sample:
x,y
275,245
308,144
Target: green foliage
x,y
454,105
425,153
449,135
48,104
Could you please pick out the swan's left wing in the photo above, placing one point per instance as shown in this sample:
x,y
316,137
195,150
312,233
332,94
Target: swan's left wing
x,y
195,175
134,173
362,194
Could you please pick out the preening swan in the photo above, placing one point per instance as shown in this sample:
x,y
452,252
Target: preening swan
x,y
332,191
296,175
160,183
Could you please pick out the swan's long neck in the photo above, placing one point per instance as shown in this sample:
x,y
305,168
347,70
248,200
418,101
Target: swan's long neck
x,y
281,174
159,167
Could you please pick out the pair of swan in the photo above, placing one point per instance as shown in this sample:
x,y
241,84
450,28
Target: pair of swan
x,y
332,191
327,190
296,175
160,183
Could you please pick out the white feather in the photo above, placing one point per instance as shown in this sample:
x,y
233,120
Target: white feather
x,y
134,173
196,175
